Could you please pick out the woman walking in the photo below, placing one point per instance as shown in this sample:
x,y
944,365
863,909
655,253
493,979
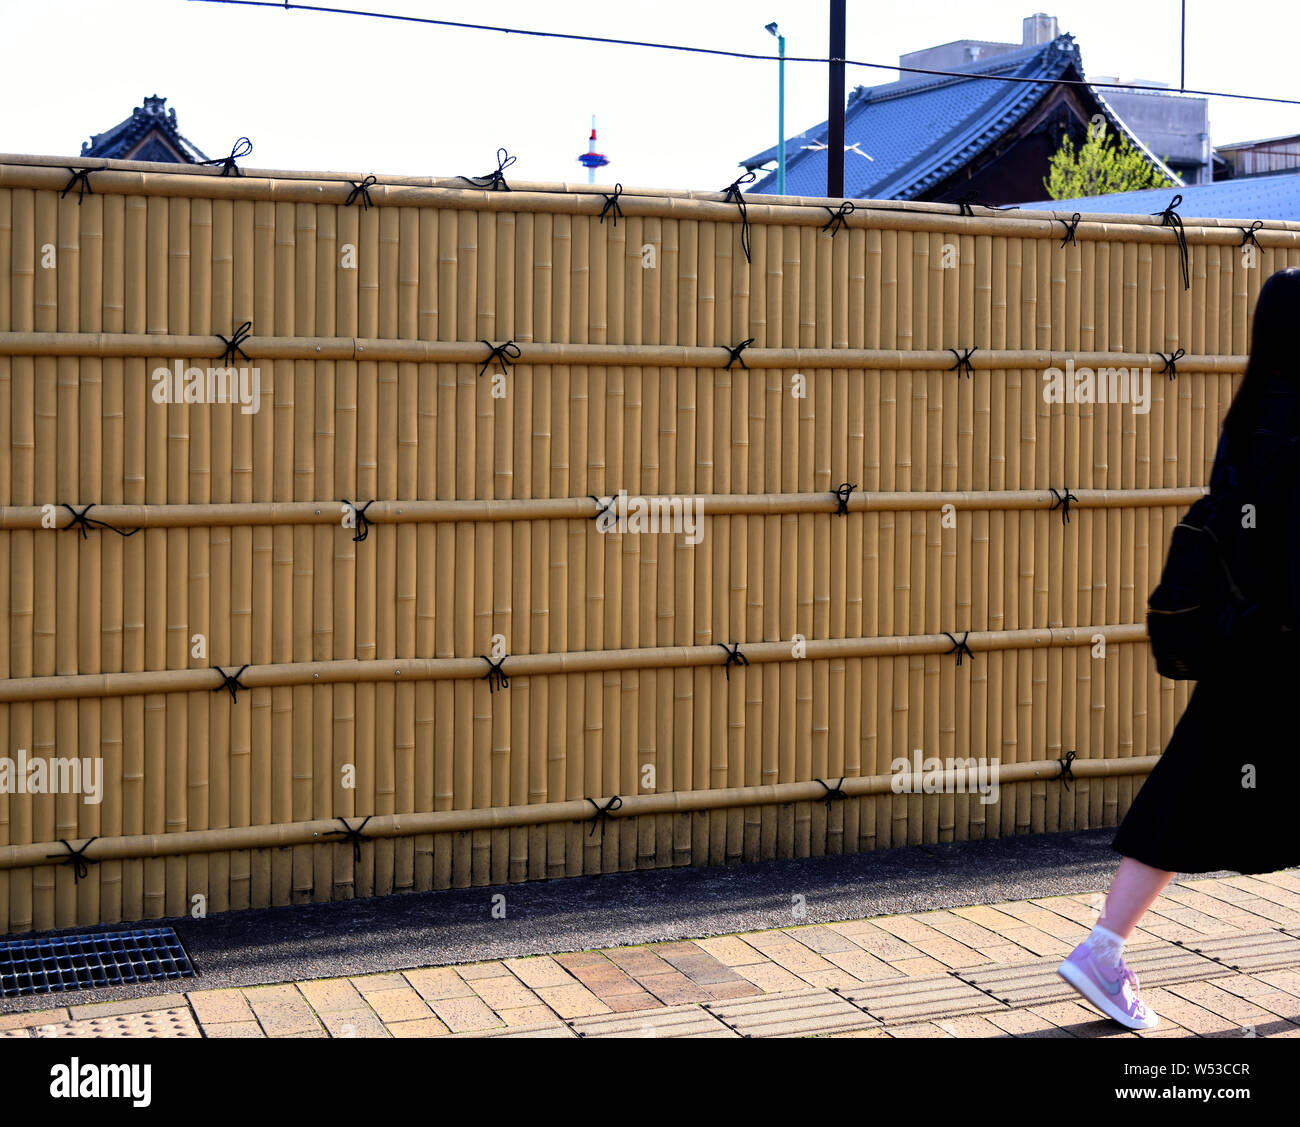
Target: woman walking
x,y
1225,793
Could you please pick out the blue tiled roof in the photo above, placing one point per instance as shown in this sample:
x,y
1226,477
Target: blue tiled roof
x,y
922,129
125,135
1254,197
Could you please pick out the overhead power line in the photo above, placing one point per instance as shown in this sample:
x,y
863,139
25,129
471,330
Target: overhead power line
x,y
720,53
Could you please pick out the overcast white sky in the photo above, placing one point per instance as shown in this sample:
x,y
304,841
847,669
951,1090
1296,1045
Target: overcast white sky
x,y
334,92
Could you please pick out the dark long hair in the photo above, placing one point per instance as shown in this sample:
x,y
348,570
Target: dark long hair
x,y
1273,341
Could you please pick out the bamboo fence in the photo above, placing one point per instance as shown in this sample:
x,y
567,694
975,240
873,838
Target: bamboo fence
x,y
270,624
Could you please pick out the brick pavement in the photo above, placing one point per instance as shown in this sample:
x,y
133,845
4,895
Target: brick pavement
x,y
1217,958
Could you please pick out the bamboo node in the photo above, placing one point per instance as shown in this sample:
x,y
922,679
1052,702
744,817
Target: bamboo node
x,y
1062,502
76,858
82,521
603,814
734,657
355,836
504,354
496,674
1171,363
959,648
1067,772
361,191
612,206
231,681
81,181
841,494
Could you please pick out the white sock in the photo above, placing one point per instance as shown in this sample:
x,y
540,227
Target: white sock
x,y
1106,946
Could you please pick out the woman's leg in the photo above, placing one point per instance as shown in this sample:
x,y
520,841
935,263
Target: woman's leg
x,y
1132,891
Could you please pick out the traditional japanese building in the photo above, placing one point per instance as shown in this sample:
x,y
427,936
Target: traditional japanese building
x,y
150,133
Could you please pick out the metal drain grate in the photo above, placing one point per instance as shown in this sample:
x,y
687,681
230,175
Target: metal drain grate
x,y
87,962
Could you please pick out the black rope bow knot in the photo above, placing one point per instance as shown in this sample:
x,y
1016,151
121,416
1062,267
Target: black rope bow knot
x,y
605,506
353,835
1066,768
839,217
1248,233
603,814
1071,226
505,354
82,521
496,674
496,180
733,194
734,354
232,343
1170,218
361,522
230,681
361,191
81,181
841,494
734,657
1062,502
963,361
76,858
1171,363
238,151
959,648
612,206
832,793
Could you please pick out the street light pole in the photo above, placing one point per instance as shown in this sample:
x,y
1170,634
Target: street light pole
x,y
772,29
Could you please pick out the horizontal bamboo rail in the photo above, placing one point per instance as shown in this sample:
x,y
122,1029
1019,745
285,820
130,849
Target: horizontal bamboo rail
x,y
456,194
351,671
543,813
272,513
157,345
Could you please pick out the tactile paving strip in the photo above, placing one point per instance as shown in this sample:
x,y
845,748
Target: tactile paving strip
x,y
84,962
153,1023
924,998
790,1013
668,1021
1253,951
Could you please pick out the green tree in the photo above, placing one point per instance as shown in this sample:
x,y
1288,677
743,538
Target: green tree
x,y
1106,163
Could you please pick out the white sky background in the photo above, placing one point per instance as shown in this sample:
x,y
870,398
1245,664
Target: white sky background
x,y
325,92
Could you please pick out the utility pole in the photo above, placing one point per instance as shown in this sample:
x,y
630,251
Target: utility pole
x,y
835,121
772,29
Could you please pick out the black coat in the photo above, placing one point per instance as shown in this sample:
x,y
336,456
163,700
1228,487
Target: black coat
x,y
1224,793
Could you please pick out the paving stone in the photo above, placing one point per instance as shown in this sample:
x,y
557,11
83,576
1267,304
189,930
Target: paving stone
x,y
129,1006
475,971
794,1013
572,1001
463,1015
771,978
529,1016
402,1004
506,993
920,999
324,995
639,962
436,983
356,1023
821,939
373,983
535,971
229,1029
729,950
37,1017
667,1021
174,1022
421,1027
282,1010
702,968
220,1007
543,1031
675,988
1251,951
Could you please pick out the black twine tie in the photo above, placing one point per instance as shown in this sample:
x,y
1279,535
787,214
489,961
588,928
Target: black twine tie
x,y
361,191
82,521
612,206
832,793
963,361
1171,363
1170,218
734,657
735,354
1062,502
733,194
230,681
81,181
495,180
362,522
1248,233
505,354
496,674
964,203
1067,772
605,506
841,494
76,858
238,151
959,648
1071,226
353,835
232,343
602,814
839,217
